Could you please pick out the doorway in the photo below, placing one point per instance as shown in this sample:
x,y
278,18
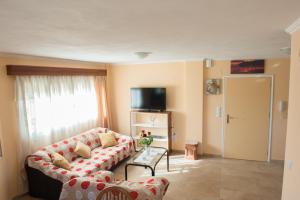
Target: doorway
x,y
247,117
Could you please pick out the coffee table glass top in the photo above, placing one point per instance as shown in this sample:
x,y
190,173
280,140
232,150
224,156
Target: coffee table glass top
x,y
149,156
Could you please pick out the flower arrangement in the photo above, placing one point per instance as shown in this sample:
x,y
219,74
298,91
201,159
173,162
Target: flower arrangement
x,y
146,138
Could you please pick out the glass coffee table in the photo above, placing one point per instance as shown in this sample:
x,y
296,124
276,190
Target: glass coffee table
x,y
148,158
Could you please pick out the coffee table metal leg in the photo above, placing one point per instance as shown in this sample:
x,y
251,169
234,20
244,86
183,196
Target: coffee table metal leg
x,y
152,171
168,164
126,172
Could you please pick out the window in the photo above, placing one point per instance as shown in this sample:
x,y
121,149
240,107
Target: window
x,y
55,107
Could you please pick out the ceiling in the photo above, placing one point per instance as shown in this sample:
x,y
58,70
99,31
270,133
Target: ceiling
x,y
112,30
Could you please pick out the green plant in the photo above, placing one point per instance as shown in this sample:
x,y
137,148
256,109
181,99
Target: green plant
x,y
146,141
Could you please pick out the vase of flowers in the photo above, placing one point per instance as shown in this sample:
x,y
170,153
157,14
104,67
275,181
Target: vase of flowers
x,y
146,140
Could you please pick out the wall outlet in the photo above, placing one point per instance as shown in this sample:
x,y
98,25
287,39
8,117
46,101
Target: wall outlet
x,y
282,106
174,136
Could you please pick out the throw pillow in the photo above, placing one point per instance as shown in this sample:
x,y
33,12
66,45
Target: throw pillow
x,y
60,161
83,150
108,139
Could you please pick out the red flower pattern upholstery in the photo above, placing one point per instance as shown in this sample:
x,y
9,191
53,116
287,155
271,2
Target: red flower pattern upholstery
x,y
101,158
89,188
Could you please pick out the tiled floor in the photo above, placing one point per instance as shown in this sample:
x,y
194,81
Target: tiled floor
x,y
215,179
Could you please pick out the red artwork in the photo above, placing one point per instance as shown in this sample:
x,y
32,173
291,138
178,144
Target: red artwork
x,y
247,66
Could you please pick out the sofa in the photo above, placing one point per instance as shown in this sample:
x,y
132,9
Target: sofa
x,y
89,188
45,180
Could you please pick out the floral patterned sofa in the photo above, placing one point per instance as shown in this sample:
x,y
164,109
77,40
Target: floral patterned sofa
x,y
87,176
46,180
89,188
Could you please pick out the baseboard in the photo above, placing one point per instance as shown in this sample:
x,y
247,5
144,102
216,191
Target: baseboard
x,y
176,152
181,152
278,161
205,155
208,155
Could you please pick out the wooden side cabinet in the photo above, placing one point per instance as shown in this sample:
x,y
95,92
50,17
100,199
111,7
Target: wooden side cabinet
x,y
191,151
158,123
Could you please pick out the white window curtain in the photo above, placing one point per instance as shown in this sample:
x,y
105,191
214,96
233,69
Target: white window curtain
x,y
52,108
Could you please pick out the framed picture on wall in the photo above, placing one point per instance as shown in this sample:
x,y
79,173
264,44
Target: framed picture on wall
x,y
247,66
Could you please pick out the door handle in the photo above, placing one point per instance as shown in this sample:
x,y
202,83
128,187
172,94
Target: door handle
x,y
228,118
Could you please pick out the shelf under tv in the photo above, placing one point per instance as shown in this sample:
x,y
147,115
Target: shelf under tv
x,y
158,123
150,111
148,125
156,138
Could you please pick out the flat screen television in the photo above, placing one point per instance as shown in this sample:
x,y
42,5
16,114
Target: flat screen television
x,y
151,99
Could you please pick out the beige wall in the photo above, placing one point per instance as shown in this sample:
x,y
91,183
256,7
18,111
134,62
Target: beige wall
x,y
212,126
291,180
183,81
9,177
194,102
3,177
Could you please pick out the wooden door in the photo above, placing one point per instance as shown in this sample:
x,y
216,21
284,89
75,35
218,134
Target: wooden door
x,y
247,117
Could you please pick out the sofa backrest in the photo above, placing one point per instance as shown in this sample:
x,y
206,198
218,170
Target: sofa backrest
x,y
66,147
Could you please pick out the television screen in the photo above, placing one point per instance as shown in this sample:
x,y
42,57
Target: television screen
x,y
148,98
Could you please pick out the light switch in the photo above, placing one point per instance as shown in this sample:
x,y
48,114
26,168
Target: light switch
x,y
290,164
219,111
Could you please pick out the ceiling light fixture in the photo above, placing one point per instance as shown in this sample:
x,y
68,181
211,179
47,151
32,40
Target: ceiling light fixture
x,y
142,55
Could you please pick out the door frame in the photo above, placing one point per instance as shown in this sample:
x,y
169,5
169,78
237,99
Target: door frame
x,y
271,109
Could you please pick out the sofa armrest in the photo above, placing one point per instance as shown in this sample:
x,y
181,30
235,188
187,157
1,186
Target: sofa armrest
x,y
88,188
122,138
49,169
127,141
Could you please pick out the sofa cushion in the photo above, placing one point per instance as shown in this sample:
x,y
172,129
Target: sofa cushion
x,y
83,167
101,159
107,139
102,176
83,150
60,161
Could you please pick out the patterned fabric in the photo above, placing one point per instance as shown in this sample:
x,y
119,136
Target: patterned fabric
x,y
102,176
101,158
89,188
108,139
66,147
49,169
